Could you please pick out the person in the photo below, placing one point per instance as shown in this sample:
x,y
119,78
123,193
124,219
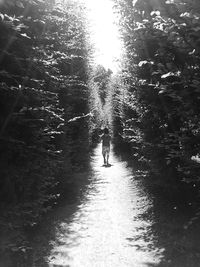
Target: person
x,y
106,138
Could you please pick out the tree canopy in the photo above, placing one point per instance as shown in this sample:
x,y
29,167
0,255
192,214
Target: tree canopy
x,y
44,104
159,117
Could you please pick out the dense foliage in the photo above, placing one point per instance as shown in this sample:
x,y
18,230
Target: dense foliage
x,y
100,105
43,106
159,115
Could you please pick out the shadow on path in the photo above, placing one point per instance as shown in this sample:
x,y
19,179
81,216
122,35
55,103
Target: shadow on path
x,y
116,221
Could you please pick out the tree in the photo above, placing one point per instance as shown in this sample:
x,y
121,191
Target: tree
x,y
162,73
44,55
101,77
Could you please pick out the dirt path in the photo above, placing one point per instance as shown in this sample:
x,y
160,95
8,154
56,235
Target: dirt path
x,y
107,229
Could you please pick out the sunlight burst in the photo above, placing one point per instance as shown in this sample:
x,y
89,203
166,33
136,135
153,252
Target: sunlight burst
x,y
105,34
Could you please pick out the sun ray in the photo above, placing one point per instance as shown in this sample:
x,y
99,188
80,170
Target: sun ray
x,y
104,33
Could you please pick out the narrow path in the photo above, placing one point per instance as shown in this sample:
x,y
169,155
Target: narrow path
x,y
108,229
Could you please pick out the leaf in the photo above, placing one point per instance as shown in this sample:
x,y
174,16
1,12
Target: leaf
x,y
186,15
1,17
25,35
192,52
144,62
170,74
19,4
155,13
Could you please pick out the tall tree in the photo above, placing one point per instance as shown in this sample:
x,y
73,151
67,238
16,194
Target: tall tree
x,y
162,72
44,55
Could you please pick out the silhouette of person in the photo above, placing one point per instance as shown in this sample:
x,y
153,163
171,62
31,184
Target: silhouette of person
x,y
106,138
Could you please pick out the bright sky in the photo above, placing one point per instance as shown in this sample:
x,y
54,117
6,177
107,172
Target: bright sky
x,y
104,33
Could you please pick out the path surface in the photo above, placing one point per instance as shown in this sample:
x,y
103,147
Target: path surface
x,y
107,229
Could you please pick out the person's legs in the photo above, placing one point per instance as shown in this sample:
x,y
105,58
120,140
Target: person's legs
x,y
104,155
104,158
107,154
107,158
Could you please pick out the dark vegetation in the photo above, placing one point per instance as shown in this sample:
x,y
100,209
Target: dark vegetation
x,y
44,111
100,101
52,109
157,105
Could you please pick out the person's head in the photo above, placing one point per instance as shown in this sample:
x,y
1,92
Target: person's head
x,y
106,131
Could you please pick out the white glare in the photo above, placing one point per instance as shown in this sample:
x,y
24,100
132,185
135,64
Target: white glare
x,y
104,32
